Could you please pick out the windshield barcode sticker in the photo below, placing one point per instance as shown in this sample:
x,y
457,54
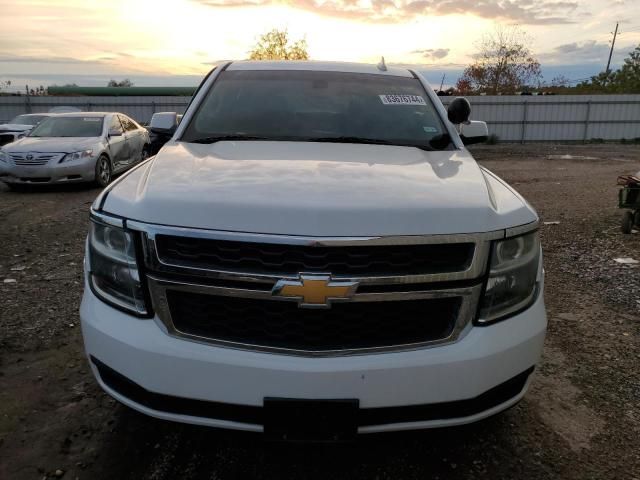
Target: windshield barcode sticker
x,y
402,100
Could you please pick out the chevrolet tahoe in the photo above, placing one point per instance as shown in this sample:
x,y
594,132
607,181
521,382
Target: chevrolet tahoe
x,y
315,254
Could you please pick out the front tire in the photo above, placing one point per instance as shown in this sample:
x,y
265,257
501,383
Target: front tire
x,y
627,222
103,171
17,187
146,153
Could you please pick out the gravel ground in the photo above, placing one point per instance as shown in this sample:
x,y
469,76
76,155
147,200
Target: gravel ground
x,y
580,420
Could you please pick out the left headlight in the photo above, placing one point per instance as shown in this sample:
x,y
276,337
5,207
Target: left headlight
x,y
513,278
77,155
113,270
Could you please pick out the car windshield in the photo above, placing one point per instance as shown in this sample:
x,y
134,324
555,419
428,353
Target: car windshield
x,y
69,127
318,106
28,119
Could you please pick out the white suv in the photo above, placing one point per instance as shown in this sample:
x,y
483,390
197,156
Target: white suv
x,y
315,254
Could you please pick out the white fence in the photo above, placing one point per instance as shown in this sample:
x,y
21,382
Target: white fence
x,y
558,117
137,107
512,118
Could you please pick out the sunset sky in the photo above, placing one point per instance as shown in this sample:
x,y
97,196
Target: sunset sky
x,y
88,39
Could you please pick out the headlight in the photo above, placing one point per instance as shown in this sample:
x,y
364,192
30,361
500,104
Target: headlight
x,y
513,277
113,270
76,156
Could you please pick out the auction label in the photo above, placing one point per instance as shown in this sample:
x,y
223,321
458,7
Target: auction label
x,y
402,100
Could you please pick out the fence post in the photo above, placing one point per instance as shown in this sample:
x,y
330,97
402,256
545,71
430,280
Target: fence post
x,y
586,122
524,121
27,102
88,106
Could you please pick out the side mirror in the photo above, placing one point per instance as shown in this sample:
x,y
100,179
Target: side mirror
x,y
474,132
459,111
164,123
115,133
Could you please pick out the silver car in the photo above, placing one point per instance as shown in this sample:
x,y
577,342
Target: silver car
x,y
20,126
75,147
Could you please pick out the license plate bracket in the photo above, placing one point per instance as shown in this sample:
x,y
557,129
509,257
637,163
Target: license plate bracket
x,y
289,419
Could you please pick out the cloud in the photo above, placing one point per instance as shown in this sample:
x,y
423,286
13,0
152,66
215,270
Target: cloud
x,y
531,12
46,60
432,53
590,51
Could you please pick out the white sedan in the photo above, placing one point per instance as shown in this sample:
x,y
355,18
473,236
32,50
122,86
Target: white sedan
x,y
20,126
75,147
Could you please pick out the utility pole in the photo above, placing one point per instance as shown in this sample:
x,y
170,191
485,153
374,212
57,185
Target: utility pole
x,y
615,34
442,82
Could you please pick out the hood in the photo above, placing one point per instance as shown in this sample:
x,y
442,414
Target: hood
x,y
316,189
52,144
15,127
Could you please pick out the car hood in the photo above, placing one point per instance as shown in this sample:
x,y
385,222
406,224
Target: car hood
x,y
52,144
316,189
15,127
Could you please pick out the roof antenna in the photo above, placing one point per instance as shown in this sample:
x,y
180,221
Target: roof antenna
x,y
382,66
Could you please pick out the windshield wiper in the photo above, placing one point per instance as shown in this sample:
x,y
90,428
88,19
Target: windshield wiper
x,y
224,138
370,141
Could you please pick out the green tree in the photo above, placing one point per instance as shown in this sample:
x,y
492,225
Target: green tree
x,y
124,83
276,45
624,80
503,64
627,79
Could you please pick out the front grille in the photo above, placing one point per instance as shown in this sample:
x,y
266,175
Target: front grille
x,y
37,159
6,138
277,324
271,258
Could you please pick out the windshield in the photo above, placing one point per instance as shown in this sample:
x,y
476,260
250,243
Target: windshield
x,y
28,119
318,106
69,127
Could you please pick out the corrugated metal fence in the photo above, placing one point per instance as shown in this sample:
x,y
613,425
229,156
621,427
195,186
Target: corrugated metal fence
x,y
558,117
511,118
139,108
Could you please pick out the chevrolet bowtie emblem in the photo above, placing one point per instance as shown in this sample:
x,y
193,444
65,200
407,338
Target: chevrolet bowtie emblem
x,y
315,291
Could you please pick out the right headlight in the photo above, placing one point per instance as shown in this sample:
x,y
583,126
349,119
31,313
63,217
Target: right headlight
x,y
112,267
513,277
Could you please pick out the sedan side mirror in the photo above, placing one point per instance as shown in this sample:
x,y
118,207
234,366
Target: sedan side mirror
x,y
474,132
164,123
459,111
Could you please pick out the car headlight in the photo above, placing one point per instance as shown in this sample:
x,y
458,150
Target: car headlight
x,y
113,271
76,155
513,277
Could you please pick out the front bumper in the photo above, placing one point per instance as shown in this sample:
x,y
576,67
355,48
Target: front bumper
x,y
140,365
79,171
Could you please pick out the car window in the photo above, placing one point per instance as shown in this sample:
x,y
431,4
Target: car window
x,y
115,125
84,126
28,119
308,105
127,123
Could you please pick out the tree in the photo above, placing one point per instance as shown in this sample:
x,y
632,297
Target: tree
x,y
624,80
124,83
275,45
503,64
627,79
5,84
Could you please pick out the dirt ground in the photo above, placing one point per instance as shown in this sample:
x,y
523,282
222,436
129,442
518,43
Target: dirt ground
x,y
580,420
